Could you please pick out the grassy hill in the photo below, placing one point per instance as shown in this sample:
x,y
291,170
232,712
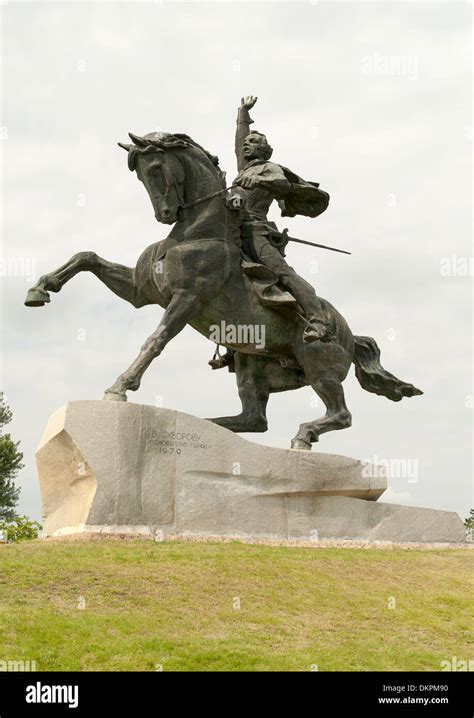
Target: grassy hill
x,y
116,605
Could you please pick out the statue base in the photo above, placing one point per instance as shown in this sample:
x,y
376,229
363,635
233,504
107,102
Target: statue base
x,y
128,468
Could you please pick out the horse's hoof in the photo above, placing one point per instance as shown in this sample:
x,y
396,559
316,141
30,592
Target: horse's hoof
x,y
114,396
37,297
300,445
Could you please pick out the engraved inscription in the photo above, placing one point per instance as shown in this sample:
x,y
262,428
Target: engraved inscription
x,y
174,442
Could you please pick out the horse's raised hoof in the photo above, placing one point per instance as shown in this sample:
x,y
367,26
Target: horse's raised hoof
x,y
37,297
300,445
114,396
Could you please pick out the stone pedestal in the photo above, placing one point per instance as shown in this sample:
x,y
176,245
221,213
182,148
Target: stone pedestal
x,y
128,468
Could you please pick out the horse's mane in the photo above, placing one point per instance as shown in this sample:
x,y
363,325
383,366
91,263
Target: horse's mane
x,y
177,136
162,141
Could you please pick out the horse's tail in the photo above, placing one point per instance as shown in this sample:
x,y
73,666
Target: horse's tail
x,y
373,377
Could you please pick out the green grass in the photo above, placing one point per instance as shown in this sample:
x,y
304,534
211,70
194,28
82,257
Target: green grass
x,y
172,604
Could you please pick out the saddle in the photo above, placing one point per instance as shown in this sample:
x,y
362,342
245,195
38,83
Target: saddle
x,y
262,281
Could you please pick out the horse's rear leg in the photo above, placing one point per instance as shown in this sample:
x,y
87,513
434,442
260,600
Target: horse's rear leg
x,y
338,416
325,367
182,307
117,277
252,382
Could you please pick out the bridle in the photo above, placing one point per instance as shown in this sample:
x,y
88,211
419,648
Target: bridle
x,y
200,200
209,196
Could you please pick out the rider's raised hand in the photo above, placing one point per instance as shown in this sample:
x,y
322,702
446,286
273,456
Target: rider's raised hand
x,y
248,101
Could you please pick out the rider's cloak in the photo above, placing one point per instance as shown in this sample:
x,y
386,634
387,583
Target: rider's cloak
x,y
304,198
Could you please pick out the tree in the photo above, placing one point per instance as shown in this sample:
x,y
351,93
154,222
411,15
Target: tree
x,y
469,521
10,464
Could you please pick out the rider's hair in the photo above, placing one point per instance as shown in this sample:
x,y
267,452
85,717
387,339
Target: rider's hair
x,y
267,149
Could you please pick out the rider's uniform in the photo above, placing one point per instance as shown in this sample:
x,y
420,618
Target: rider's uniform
x,y
261,239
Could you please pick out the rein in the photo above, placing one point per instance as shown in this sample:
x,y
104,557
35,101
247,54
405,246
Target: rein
x,y
209,196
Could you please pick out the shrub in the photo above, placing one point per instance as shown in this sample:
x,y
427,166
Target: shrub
x,y
21,528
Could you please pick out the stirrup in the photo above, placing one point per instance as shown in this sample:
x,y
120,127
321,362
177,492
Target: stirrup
x,y
220,361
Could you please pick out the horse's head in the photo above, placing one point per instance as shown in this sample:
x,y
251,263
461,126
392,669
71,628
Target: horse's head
x,y
162,166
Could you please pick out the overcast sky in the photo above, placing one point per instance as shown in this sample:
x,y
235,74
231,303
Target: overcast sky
x,y
371,100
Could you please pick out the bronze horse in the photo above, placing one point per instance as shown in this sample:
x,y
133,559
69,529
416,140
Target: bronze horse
x,y
196,275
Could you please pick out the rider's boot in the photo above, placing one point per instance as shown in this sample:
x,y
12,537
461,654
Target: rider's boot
x,y
316,330
317,327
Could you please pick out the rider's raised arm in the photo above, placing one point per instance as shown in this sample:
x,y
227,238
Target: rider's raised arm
x,y
243,127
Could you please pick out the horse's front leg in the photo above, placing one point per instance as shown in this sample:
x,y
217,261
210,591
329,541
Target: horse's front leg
x,y
181,309
118,278
54,281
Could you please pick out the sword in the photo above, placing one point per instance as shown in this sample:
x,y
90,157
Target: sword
x,y
284,232
312,244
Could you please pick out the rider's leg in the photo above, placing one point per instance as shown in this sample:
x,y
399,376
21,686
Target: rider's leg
x,y
301,289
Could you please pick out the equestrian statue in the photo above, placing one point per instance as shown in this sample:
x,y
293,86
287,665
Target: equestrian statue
x,y
223,266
